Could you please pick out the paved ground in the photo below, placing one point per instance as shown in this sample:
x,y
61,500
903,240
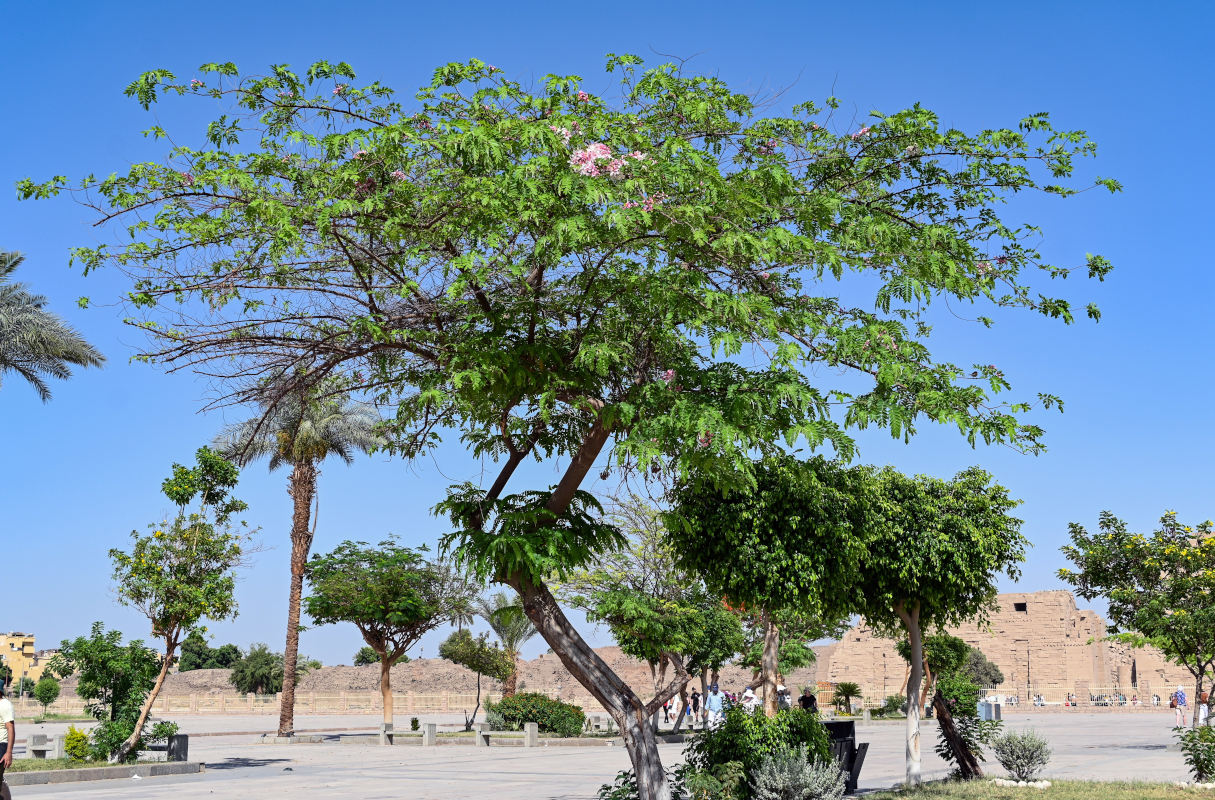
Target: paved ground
x,y
1096,746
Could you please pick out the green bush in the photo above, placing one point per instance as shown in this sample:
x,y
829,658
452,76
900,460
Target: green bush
x,y
1198,747
749,738
624,787
962,698
791,775
553,716
76,744
46,691
414,724
724,782
1023,755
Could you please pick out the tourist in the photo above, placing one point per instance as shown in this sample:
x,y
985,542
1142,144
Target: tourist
x,y
1203,709
808,701
8,734
713,707
695,706
749,700
666,711
783,700
1178,702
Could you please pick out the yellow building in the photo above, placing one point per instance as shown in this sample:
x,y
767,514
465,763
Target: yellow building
x,y
18,653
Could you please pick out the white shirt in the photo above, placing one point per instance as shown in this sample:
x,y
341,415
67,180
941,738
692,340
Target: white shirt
x,y
6,716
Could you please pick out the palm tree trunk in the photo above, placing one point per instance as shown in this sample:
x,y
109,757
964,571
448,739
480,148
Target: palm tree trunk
x,y
302,488
126,747
512,680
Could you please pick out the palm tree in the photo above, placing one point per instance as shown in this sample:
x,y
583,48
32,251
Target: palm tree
x,y
35,343
844,692
301,430
512,627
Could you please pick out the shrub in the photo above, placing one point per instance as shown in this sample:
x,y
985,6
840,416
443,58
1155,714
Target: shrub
x,y
76,744
46,691
553,716
496,721
962,698
624,787
723,782
790,775
749,738
259,672
414,724
366,656
1023,755
895,704
1198,746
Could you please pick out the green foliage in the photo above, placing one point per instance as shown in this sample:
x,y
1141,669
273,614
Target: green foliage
x,y
944,654
1157,586
791,775
980,671
624,786
1198,748
23,686
750,738
390,593
722,782
76,744
844,692
962,699
365,656
1024,754
938,547
793,543
553,716
46,691
414,724
505,616
114,678
477,654
197,654
34,343
894,704
260,671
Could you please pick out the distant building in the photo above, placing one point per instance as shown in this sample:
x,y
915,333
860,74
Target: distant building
x,y
17,651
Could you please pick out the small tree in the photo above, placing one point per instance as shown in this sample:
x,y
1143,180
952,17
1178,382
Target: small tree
x,y
183,571
981,672
366,656
844,692
260,671
505,616
943,655
933,559
113,679
479,655
1158,586
392,594
23,686
46,691
791,545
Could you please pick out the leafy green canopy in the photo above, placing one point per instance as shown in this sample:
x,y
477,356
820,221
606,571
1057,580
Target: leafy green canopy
x,y
477,654
944,654
548,272
113,678
937,548
390,593
260,671
1157,586
197,654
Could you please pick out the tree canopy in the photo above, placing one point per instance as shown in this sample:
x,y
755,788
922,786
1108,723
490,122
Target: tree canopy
x,y
1157,587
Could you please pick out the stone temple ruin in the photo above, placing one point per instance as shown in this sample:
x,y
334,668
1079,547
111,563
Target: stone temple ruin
x,y
1041,641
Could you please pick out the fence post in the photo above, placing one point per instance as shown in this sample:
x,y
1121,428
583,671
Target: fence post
x,y
193,702
223,703
312,702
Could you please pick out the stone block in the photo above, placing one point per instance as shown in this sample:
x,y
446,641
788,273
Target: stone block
x,y
481,734
531,734
430,734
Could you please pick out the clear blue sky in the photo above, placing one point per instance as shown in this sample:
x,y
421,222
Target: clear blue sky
x,y
79,473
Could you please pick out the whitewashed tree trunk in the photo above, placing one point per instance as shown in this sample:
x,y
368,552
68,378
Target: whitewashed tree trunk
x,y
911,620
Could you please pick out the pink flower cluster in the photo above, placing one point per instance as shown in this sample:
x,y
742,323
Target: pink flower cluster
x,y
398,175
705,439
187,178
583,97
669,375
862,133
195,83
564,133
360,154
341,87
587,160
421,122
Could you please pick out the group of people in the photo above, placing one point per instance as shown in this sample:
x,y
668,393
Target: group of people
x,y
715,701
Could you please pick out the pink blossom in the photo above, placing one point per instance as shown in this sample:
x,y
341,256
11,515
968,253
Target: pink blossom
x,y
398,175
341,87
637,154
360,154
859,134
599,150
195,82
187,178
765,275
583,97
669,375
492,68
421,121
564,133
614,167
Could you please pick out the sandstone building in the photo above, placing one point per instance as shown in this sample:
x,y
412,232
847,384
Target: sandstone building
x,y
1042,643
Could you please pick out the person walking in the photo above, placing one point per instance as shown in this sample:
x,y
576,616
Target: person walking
x,y
808,701
8,736
713,707
749,700
1179,703
695,707
666,712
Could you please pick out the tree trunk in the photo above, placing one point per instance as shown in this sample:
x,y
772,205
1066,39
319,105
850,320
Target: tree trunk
x,y
769,664
386,686
302,488
512,680
703,713
911,620
968,763
683,708
627,709
126,747
658,677
468,723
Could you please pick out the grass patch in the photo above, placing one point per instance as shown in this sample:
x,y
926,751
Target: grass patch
x,y
1059,790
39,764
38,718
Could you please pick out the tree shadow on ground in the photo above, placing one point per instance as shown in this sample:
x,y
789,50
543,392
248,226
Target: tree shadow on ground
x,y
242,763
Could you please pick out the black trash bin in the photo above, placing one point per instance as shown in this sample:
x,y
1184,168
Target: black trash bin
x,y
847,753
178,747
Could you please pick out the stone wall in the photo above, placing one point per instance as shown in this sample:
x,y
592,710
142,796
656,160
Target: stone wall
x,y
1040,640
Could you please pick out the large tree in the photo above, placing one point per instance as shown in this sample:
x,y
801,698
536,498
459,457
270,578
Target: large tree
x,y
647,280
789,546
394,595
937,548
507,619
183,570
1158,587
300,429
34,343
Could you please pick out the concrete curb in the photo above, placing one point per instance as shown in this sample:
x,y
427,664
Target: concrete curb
x,y
414,740
147,770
